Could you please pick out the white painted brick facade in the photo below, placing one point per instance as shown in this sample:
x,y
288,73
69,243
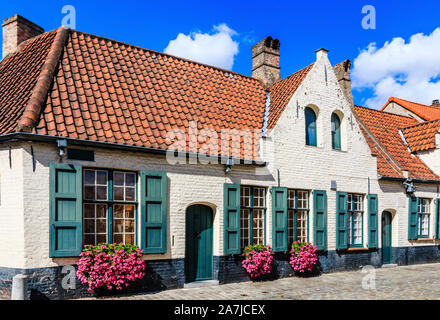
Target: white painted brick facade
x,y
24,211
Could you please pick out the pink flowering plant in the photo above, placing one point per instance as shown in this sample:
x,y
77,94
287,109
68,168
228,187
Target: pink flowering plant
x,y
304,257
113,266
258,260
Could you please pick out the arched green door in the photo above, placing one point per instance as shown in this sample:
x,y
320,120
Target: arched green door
x,y
198,253
386,237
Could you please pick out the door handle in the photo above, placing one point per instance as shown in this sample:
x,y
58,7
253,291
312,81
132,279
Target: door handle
x,y
197,234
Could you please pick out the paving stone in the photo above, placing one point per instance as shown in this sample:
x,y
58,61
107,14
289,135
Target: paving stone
x,y
406,282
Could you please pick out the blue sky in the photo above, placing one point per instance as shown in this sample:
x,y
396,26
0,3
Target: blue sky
x,y
301,27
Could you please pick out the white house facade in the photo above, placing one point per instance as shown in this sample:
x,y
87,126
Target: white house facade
x,y
85,158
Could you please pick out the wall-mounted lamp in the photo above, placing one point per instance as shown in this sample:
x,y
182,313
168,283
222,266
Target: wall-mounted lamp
x,y
62,145
229,165
409,185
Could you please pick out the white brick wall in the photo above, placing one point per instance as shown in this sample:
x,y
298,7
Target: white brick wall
x,y
24,213
11,208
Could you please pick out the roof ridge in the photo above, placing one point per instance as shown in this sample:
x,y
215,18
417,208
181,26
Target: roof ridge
x,y
392,114
421,123
291,75
420,104
375,140
39,94
169,55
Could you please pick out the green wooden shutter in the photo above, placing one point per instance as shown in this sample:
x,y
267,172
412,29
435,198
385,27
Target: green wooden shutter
x,y
231,203
65,217
437,218
372,221
341,220
279,219
320,219
153,212
412,218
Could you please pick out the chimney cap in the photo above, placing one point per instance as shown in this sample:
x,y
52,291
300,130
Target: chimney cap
x,y
435,102
321,49
17,17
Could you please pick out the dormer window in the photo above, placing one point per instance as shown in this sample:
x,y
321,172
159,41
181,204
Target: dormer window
x,y
310,117
336,132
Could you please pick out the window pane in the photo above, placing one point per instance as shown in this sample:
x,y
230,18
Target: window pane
x,y
244,228
124,227
89,225
89,192
118,211
118,193
129,238
310,127
89,177
301,226
101,238
101,177
259,197
129,226
89,239
130,194
336,132
94,223
101,211
245,196
117,238
89,211
129,212
291,199
101,193
130,179
258,227
101,226
118,178
118,225
290,227
303,199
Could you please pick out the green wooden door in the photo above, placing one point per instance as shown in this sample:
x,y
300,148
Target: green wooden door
x,y
386,237
198,253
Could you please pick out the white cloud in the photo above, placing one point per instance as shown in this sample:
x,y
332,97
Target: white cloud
x,y
216,48
408,70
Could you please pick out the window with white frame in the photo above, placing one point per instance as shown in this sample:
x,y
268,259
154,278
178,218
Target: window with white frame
x,y
297,215
424,213
252,213
109,203
355,219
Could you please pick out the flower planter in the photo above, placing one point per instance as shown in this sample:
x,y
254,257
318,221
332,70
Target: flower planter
x,y
258,261
110,268
304,259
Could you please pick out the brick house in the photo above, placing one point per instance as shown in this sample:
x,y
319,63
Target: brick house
x,y
102,141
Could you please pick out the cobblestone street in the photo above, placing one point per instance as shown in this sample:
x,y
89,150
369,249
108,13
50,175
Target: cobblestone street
x,y
406,282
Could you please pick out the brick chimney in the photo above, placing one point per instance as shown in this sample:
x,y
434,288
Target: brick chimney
x,y
266,61
342,71
17,29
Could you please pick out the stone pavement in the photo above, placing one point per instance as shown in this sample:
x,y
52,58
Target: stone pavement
x,y
405,282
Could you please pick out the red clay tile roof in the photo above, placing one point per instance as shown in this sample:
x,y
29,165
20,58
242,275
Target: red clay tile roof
x,y
113,92
18,75
421,137
385,129
282,91
425,112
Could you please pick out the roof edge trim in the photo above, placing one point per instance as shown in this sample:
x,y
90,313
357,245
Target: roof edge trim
x,y
27,136
39,94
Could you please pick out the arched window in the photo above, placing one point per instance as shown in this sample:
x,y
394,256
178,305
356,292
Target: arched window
x,y
310,127
336,132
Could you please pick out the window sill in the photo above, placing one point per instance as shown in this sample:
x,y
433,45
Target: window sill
x,y
339,150
357,249
424,239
